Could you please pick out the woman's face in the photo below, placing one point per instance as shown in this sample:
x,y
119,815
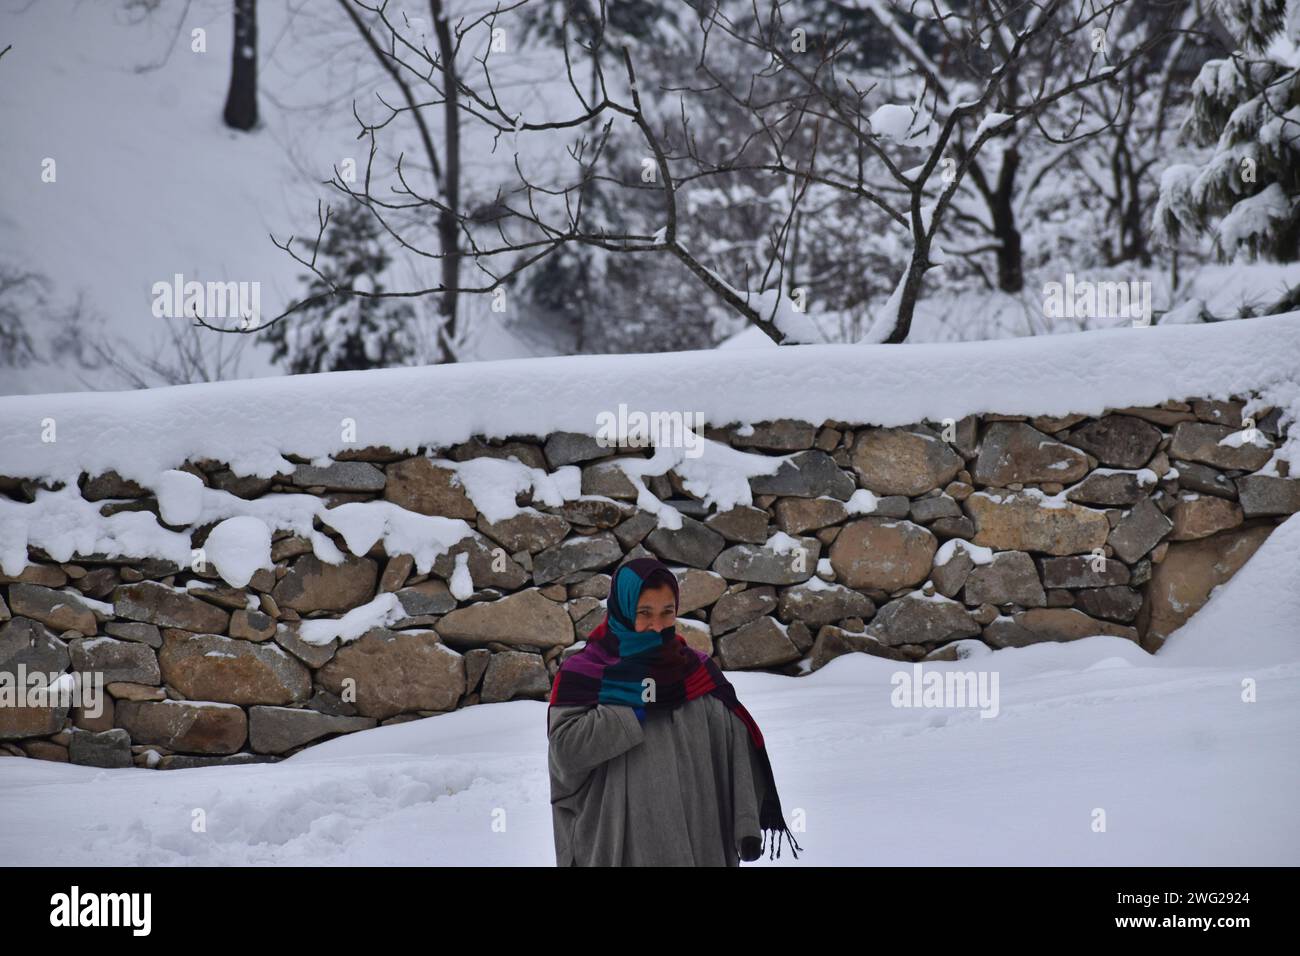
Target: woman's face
x,y
656,609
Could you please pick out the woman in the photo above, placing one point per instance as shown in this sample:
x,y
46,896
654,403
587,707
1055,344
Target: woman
x,y
653,760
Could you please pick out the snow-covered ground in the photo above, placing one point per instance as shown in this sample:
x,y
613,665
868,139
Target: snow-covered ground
x,y
1222,289
1186,772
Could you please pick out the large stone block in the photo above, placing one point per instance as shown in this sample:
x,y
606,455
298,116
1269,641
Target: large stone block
x,y
1023,521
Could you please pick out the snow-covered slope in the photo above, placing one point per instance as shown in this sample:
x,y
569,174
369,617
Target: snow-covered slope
x,y
150,183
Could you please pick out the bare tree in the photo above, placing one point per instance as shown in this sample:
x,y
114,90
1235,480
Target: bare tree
x,y
184,356
815,125
21,295
388,52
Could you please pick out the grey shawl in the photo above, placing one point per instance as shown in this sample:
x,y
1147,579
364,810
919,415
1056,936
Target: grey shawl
x,y
681,790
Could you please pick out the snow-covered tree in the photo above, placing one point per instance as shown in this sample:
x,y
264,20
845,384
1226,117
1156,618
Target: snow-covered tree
x,y
1245,110
851,149
345,321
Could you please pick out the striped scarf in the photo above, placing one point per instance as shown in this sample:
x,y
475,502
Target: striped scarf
x,y
617,658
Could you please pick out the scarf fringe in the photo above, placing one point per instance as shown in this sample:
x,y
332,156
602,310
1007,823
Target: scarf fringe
x,y
770,844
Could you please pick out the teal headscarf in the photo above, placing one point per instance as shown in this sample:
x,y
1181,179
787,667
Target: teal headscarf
x,y
624,592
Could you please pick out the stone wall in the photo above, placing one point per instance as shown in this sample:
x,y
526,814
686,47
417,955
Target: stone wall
x,y
897,542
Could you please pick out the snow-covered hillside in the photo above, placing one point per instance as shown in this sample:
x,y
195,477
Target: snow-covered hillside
x,y
150,183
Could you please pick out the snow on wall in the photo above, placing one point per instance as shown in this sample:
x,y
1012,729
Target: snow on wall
x,y
251,424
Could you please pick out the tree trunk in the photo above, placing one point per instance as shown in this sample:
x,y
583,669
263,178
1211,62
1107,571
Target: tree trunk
x,y
241,100
1134,225
916,270
447,228
1011,272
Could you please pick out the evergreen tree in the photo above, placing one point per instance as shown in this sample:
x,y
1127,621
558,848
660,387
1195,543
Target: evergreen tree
x,y
346,332
1245,110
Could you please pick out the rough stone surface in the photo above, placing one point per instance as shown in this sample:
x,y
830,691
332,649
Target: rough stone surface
x,y
794,516
1264,495
698,589
418,485
1050,624
212,667
882,553
155,603
1139,531
313,585
1204,480
1118,441
185,726
395,672
733,610
747,562
950,577
1016,452
1200,441
115,660
488,566
915,619
1200,517
277,730
1114,489
588,553
1011,578
895,461
833,642
530,530
523,618
1019,521
1113,603
55,609
340,476
513,675
1182,582
108,748
808,474
1084,572
821,603
694,544
761,643
742,523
